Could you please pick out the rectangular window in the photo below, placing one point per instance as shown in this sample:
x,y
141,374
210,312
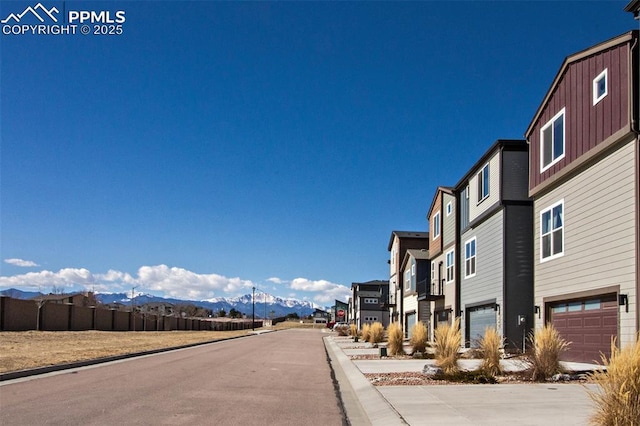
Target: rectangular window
x,y
450,264
574,307
590,305
371,301
552,141
407,280
436,226
413,270
600,88
470,258
433,271
483,183
558,309
552,231
449,208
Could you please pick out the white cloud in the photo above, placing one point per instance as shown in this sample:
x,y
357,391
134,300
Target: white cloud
x,y
21,262
174,282
326,291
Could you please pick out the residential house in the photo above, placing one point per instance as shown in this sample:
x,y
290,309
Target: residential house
x,y
77,299
495,282
321,316
583,178
441,292
415,269
368,301
399,243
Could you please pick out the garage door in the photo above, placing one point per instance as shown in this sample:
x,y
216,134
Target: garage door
x,y
410,321
479,319
589,324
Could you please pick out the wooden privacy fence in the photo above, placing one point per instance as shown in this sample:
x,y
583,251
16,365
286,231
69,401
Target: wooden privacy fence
x,y
24,315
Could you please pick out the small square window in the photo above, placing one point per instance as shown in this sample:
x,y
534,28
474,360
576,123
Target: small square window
x,y
600,87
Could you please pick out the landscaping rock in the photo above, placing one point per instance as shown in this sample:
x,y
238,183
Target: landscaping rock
x,y
431,371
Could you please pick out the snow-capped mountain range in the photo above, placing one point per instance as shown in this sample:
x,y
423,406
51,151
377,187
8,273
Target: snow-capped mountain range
x,y
268,305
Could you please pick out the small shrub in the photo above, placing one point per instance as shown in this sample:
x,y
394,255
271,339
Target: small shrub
x,y
548,345
376,333
343,330
395,339
491,348
366,332
419,336
353,330
447,340
618,398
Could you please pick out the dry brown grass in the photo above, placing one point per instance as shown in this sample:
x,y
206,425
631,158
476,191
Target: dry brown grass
x,y
447,345
353,330
395,339
31,349
618,398
491,345
548,345
366,332
376,334
419,336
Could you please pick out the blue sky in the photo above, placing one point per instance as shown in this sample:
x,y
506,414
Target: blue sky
x,y
216,146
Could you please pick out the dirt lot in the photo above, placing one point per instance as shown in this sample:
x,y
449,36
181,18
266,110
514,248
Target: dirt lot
x,y
30,349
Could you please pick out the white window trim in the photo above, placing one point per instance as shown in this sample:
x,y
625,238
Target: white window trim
x,y
480,177
560,254
465,258
452,266
449,208
436,226
564,140
603,74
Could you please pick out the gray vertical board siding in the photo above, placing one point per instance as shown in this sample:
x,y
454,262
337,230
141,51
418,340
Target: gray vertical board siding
x,y
600,243
515,175
449,222
488,281
518,284
464,201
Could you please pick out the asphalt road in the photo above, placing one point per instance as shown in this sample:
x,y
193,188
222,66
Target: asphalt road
x,y
280,378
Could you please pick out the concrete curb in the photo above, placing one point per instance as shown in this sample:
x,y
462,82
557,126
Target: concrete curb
x,y
363,404
11,375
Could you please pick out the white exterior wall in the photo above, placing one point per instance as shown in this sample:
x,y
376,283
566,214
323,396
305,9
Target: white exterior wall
x,y
599,236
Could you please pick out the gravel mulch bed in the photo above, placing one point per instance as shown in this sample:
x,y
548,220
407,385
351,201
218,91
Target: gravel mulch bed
x,y
419,379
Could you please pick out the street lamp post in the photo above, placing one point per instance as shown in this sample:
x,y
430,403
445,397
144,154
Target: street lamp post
x,y
253,309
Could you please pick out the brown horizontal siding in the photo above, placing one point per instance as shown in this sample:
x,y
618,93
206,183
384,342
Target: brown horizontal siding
x,y
586,125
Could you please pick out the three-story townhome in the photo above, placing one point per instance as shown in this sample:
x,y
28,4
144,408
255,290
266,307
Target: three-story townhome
x,y
495,283
440,291
415,268
584,181
399,243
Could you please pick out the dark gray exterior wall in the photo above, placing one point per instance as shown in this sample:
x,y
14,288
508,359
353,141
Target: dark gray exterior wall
x,y
518,275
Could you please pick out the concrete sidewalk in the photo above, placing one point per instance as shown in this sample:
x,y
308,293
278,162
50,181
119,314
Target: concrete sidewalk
x,y
532,404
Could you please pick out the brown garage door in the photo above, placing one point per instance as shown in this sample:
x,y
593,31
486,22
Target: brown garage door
x,y
589,324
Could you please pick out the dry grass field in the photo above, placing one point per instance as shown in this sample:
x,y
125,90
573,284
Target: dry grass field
x,y
31,349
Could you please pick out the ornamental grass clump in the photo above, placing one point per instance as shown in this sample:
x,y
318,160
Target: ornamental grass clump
x,y
395,339
617,398
376,333
366,332
353,330
548,346
419,336
447,343
491,345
